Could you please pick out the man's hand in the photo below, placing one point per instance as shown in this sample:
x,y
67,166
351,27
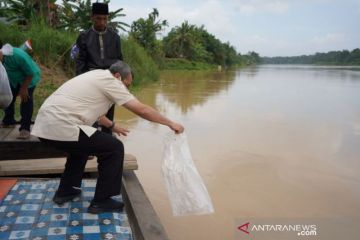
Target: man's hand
x,y
176,127
104,121
151,114
24,94
1,56
119,130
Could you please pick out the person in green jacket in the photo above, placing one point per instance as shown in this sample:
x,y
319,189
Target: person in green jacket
x,y
23,74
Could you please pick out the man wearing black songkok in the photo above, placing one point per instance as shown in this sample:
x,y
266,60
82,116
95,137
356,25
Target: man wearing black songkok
x,y
99,46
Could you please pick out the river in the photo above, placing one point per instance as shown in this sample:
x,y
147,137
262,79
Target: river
x,y
270,141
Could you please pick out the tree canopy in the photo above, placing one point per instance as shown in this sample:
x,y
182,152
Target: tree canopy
x,y
72,15
343,57
75,15
197,44
186,42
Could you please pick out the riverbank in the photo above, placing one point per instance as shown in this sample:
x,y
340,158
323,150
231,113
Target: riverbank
x,y
183,64
333,58
52,78
51,51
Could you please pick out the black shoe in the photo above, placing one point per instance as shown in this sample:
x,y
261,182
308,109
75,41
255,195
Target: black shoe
x,y
107,205
61,198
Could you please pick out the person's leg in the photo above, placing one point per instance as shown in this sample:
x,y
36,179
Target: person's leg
x,y
9,117
70,181
110,167
73,172
110,153
26,111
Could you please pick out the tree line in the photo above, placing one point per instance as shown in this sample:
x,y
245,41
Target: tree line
x,y
186,42
343,57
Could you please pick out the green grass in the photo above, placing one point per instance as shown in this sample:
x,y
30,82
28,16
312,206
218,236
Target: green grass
x,y
144,68
50,46
52,52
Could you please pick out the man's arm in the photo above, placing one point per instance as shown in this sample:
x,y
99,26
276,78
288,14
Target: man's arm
x,y
30,69
152,115
81,64
23,92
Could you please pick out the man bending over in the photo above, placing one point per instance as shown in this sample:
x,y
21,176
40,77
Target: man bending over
x,y
65,122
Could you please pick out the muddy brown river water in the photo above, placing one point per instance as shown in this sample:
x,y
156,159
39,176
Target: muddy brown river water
x,y
272,141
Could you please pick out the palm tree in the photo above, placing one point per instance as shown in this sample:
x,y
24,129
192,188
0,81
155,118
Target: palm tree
x,y
22,12
117,24
182,40
75,15
185,38
144,30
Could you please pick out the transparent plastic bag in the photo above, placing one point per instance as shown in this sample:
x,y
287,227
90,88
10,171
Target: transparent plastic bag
x,y
5,90
186,190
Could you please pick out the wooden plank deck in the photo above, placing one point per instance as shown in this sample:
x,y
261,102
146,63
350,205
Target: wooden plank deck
x,y
33,157
4,132
12,148
52,166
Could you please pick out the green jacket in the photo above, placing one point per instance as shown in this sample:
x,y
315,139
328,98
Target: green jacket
x,y
20,65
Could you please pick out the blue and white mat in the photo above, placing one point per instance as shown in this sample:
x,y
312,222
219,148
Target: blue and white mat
x,y
27,212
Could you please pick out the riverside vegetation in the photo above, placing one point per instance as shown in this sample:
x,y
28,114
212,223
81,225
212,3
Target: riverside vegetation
x,y
345,57
53,28
52,53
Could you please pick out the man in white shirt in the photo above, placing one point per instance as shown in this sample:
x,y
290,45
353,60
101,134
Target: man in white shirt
x,y
65,121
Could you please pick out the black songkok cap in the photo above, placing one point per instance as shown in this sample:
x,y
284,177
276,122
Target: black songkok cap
x,y
100,8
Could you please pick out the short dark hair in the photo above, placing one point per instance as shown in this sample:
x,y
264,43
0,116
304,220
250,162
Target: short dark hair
x,y
120,67
1,44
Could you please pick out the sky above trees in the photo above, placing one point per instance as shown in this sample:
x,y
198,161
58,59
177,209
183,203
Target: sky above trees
x,y
269,27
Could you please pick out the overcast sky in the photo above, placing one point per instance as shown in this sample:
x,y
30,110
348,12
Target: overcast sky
x,y
269,27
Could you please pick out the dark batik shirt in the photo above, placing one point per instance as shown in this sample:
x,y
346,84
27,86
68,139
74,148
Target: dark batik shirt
x,y
97,50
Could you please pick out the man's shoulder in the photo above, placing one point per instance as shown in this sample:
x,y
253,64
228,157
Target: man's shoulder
x,y
89,31
112,32
96,74
19,53
85,32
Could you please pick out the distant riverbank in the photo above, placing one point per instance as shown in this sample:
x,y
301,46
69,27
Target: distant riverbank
x,y
333,58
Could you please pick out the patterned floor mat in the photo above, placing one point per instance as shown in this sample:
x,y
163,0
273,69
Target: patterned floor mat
x,y
27,212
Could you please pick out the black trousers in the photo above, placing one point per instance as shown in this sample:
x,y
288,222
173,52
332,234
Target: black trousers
x,y
110,154
26,110
109,115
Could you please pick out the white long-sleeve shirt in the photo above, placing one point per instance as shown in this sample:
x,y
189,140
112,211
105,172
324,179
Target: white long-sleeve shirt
x,y
78,104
